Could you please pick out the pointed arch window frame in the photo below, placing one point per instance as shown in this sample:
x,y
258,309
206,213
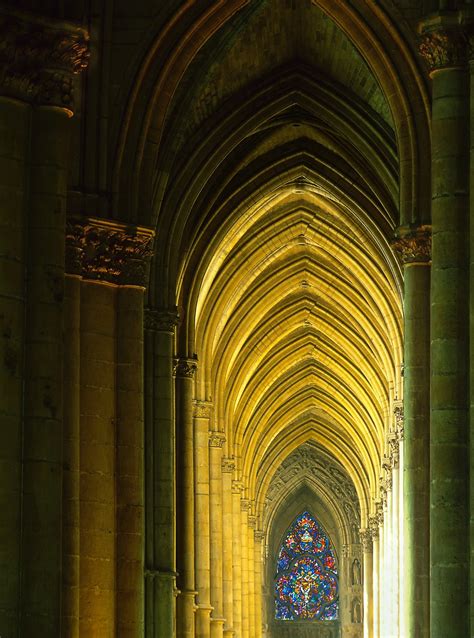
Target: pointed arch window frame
x,y
306,582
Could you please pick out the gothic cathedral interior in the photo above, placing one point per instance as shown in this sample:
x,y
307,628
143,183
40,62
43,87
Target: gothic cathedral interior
x,y
235,318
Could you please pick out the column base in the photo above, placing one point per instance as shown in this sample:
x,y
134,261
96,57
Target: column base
x,y
229,633
203,621
217,627
164,602
185,611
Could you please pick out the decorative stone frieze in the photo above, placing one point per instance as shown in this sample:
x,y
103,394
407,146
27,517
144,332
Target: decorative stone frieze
x,y
413,244
39,57
103,250
160,320
373,526
202,409
216,439
185,368
399,419
366,539
394,445
443,46
228,465
237,487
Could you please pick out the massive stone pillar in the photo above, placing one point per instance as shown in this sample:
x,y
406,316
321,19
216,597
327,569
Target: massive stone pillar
x,y
228,467
107,261
14,135
216,441
444,47
160,553
367,547
184,372
414,245
202,416
237,557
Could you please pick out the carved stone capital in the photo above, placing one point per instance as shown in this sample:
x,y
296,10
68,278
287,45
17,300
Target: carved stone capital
x,y
103,250
443,43
252,521
366,539
373,526
39,57
216,439
244,505
237,487
259,535
202,409
185,368
399,419
345,551
228,465
394,445
379,513
160,320
413,244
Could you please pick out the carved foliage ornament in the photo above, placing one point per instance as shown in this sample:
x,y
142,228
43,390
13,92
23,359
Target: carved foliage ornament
x,y
445,47
366,539
38,58
413,244
185,368
228,465
160,320
108,251
216,439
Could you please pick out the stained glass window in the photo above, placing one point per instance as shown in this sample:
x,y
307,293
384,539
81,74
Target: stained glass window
x,y
306,583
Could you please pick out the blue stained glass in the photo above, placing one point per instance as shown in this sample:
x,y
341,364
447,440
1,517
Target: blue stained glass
x,y
306,583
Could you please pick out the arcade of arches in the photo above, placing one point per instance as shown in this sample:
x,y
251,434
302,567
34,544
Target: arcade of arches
x,y
235,310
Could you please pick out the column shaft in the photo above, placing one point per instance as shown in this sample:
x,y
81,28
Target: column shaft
x,y
245,569
368,589
449,462
258,583
227,553
129,463
202,523
97,460
251,575
237,559
71,449
43,416
14,136
215,459
376,583
416,464
185,493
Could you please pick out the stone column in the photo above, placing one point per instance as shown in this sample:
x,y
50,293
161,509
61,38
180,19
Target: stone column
x,y
160,482
97,460
228,467
374,530
184,371
366,540
471,314
251,573
14,135
216,441
129,463
444,47
414,246
202,416
395,562
71,458
237,557
258,571
244,507
111,260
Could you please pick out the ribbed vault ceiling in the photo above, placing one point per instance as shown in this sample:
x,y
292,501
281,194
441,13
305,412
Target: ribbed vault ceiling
x,y
282,208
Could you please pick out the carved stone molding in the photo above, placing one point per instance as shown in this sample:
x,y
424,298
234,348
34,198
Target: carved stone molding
x,y
185,368
228,465
160,320
252,521
399,419
394,444
366,539
103,250
202,409
39,57
443,45
373,526
413,244
216,439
